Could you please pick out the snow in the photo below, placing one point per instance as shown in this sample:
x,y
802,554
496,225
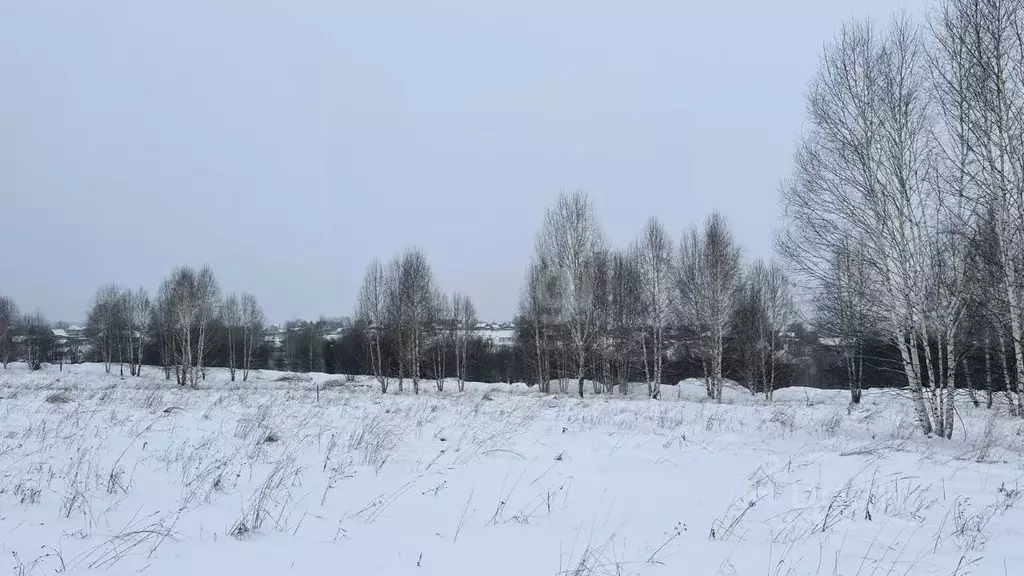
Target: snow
x,y
314,474
500,337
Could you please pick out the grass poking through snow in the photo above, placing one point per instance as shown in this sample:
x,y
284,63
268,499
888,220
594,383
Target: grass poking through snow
x,y
315,474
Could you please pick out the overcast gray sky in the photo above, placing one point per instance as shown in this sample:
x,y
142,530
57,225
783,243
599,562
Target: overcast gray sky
x,y
287,143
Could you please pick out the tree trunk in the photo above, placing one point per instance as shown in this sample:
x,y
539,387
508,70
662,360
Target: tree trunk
x,y
401,369
988,374
380,368
707,379
911,363
856,373
970,384
932,369
1010,268
580,373
647,369
950,384
545,386
1005,365
416,364
716,368
658,336
231,352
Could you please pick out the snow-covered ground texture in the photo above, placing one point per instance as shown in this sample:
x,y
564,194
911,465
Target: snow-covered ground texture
x,y
104,475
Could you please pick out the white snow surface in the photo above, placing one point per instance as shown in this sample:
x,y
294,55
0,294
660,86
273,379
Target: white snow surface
x,y
101,474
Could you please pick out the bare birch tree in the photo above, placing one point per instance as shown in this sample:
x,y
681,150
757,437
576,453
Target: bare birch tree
x,y
396,319
768,307
570,241
979,71
463,325
192,300
139,315
163,327
441,336
231,318
8,320
412,304
106,322
846,309
208,292
867,170
179,293
627,318
538,315
709,280
371,309
253,326
653,254
316,334
606,347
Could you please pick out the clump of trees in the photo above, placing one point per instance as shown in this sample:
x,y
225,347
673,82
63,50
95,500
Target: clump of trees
x,y
117,324
653,255
36,338
27,336
188,325
710,277
591,311
242,324
905,211
572,244
411,326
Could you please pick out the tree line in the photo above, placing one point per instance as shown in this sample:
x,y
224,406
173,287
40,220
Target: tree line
x,y
611,315
904,215
588,312
652,312
186,328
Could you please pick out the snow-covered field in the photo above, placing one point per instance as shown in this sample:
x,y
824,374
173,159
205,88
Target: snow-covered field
x,y
104,475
